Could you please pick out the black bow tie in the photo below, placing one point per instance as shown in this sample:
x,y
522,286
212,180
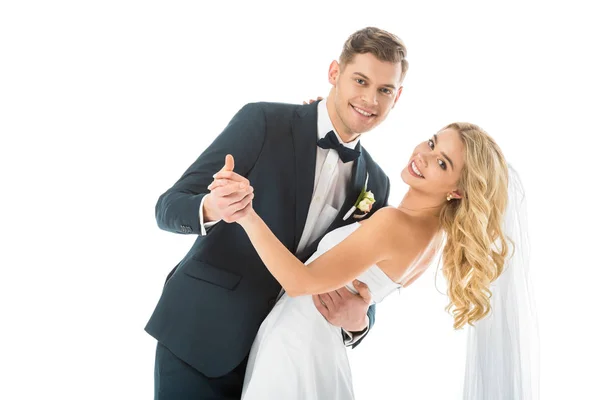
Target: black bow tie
x,y
330,141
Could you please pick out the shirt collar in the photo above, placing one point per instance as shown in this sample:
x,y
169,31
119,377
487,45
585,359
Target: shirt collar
x,y
324,125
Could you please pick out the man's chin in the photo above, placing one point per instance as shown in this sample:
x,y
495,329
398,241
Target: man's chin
x,y
359,129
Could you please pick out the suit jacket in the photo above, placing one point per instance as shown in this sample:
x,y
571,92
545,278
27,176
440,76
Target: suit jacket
x,y
215,299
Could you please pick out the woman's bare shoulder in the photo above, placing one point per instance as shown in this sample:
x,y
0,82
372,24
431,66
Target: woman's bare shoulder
x,y
398,220
396,224
407,240
386,217
403,230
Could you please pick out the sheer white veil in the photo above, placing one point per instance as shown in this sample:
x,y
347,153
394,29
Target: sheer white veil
x,y
503,348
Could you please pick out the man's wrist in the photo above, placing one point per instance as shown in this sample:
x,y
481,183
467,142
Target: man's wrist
x,y
207,213
360,328
353,337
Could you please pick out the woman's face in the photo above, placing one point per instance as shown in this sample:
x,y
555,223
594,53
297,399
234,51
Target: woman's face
x,y
436,164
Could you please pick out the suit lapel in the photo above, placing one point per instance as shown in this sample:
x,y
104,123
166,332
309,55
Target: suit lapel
x,y
304,132
355,186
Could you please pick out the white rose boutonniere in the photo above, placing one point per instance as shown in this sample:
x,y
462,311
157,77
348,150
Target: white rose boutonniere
x,y
364,203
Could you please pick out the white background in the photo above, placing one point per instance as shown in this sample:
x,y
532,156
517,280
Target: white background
x,y
104,104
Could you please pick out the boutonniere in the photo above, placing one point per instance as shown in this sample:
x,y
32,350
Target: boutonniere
x,y
364,203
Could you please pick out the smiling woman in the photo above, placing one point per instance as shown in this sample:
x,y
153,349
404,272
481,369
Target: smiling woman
x,y
431,168
464,204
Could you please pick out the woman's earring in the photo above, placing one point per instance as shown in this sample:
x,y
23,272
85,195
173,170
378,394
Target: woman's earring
x,y
449,197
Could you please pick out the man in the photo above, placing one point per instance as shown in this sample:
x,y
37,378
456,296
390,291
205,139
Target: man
x,y
308,167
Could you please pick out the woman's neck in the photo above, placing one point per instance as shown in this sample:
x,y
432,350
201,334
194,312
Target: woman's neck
x,y
418,204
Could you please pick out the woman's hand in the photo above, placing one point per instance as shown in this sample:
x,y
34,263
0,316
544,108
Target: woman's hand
x,y
226,181
230,201
312,101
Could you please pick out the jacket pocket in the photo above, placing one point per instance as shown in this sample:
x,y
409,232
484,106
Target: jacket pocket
x,y
215,275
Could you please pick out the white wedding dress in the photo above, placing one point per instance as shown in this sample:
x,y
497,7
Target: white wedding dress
x,y
297,354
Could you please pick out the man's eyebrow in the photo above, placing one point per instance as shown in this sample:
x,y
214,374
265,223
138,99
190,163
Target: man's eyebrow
x,y
389,85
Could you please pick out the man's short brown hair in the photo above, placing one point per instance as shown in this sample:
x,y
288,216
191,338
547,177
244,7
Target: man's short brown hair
x,y
382,44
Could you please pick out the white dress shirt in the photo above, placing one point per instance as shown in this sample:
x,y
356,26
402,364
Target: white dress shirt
x,y
331,179
329,190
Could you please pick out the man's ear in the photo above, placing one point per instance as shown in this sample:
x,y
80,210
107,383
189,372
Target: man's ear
x,y
334,72
397,96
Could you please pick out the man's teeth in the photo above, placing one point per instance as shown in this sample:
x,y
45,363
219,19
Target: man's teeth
x,y
415,169
363,112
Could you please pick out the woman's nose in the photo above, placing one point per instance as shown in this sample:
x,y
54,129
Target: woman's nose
x,y
421,160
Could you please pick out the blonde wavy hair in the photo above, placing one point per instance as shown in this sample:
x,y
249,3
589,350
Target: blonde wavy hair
x,y
475,250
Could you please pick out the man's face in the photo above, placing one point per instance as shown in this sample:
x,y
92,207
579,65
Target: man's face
x,y
364,91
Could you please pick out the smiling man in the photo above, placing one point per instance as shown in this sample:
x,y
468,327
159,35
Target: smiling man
x,y
364,90
309,168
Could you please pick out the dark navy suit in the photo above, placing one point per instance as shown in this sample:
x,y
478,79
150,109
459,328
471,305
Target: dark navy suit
x,y
215,299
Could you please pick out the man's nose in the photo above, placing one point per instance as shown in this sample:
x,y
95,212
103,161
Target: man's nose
x,y
370,97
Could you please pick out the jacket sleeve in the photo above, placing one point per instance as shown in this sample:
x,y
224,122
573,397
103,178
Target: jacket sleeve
x,y
177,209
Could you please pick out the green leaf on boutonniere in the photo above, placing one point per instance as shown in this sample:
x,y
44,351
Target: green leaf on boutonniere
x,y
360,197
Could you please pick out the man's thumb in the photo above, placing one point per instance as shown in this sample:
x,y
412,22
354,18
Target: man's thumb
x,y
363,290
229,163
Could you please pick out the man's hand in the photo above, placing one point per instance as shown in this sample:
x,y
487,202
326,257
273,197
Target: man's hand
x,y
344,309
229,197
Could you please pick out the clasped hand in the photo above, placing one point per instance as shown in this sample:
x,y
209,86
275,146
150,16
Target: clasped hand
x,y
231,200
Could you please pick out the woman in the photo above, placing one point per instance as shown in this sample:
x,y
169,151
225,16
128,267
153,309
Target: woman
x,y
457,197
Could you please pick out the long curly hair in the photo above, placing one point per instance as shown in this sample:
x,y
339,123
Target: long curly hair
x,y
475,250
